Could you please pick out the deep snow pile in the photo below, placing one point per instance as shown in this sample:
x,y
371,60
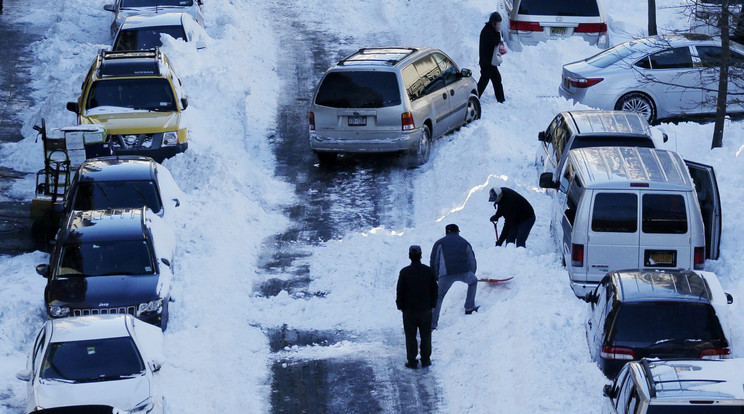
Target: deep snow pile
x,y
521,352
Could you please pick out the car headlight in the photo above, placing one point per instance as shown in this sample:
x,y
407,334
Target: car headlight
x,y
58,311
170,138
144,407
150,307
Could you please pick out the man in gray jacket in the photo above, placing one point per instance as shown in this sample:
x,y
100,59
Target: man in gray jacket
x,y
453,260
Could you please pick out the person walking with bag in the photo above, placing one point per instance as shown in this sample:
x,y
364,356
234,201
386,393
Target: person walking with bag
x,y
490,50
416,296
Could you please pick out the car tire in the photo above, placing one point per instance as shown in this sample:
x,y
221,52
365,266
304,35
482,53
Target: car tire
x,y
473,111
638,102
420,153
326,158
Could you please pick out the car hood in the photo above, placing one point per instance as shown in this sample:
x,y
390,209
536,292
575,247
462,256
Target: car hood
x,y
102,291
123,394
135,122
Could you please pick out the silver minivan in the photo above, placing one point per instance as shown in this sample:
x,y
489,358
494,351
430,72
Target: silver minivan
x,y
620,208
390,99
534,21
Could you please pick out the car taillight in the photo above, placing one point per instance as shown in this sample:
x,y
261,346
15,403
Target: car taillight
x,y
699,261
584,82
525,26
591,28
610,352
715,353
577,255
406,121
311,118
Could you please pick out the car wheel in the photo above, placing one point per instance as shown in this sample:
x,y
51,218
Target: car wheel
x,y
326,158
421,152
637,102
474,110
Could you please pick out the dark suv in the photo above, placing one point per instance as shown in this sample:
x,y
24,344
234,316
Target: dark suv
x,y
111,262
662,314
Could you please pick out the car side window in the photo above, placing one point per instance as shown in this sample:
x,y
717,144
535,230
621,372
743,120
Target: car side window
x,y
710,57
633,403
448,68
560,136
675,58
618,386
413,82
623,399
38,346
428,69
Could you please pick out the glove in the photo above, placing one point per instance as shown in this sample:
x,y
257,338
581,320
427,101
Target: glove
x,y
494,218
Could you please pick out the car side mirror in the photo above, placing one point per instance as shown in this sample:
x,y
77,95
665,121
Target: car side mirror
x,y
591,297
108,7
43,270
546,180
155,366
729,298
664,137
184,103
165,261
466,73
178,203
24,375
607,391
73,107
541,136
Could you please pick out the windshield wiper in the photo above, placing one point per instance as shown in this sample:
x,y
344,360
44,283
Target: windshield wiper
x,y
110,378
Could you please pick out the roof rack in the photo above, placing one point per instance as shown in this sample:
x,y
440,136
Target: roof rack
x,y
652,384
386,55
129,62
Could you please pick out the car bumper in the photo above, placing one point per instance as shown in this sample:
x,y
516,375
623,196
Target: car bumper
x,y
589,97
611,367
377,142
581,289
158,154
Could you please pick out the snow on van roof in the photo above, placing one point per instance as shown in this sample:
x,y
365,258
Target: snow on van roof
x,y
626,167
616,122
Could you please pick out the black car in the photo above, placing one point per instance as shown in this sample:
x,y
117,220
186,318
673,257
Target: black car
x,y
662,314
111,262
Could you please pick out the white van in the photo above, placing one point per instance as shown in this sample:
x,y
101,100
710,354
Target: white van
x,y
620,208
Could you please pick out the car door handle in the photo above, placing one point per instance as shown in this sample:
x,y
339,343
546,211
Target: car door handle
x,y
444,95
452,92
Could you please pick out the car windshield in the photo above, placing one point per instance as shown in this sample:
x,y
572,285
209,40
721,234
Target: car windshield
x,y
612,141
610,56
359,89
146,37
105,258
92,360
652,323
104,195
583,8
701,408
153,94
153,3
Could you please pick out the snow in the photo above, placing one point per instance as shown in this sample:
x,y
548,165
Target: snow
x,y
523,351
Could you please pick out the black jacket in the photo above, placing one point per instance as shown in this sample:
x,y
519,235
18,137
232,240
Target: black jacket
x,y
489,39
513,208
417,288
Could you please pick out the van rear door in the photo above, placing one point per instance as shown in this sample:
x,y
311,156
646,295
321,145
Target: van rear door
x,y
706,187
666,226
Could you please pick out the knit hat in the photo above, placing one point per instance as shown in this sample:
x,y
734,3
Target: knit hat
x,y
451,228
495,17
414,249
494,194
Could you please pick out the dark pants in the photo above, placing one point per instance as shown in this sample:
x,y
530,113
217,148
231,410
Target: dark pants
x,y
421,321
491,73
520,232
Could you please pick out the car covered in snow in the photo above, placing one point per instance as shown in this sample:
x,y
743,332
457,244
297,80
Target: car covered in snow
x,y
676,386
390,99
143,32
661,77
137,97
534,21
111,262
657,314
93,363
125,8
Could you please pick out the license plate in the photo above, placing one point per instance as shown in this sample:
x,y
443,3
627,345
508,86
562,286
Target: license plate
x,y
558,31
661,258
357,120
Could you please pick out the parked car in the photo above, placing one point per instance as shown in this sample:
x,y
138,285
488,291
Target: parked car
x,y
534,21
657,314
581,129
679,386
390,99
143,32
111,261
660,77
92,363
706,15
125,8
632,208
138,98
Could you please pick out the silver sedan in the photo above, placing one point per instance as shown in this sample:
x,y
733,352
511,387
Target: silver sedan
x,y
660,77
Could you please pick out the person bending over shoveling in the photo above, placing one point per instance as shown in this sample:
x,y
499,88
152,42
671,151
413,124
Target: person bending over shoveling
x,y
517,213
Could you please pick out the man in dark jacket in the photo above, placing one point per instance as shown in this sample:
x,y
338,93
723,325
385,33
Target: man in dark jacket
x,y
517,213
416,297
453,260
490,38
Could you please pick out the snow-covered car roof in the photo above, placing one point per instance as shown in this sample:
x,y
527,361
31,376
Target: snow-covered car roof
x,y
698,379
388,56
118,168
152,20
614,122
640,285
90,327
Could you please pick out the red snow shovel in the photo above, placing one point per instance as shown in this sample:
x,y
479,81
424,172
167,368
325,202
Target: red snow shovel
x,y
495,280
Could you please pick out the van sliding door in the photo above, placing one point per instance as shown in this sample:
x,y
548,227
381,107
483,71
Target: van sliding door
x,y
709,199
